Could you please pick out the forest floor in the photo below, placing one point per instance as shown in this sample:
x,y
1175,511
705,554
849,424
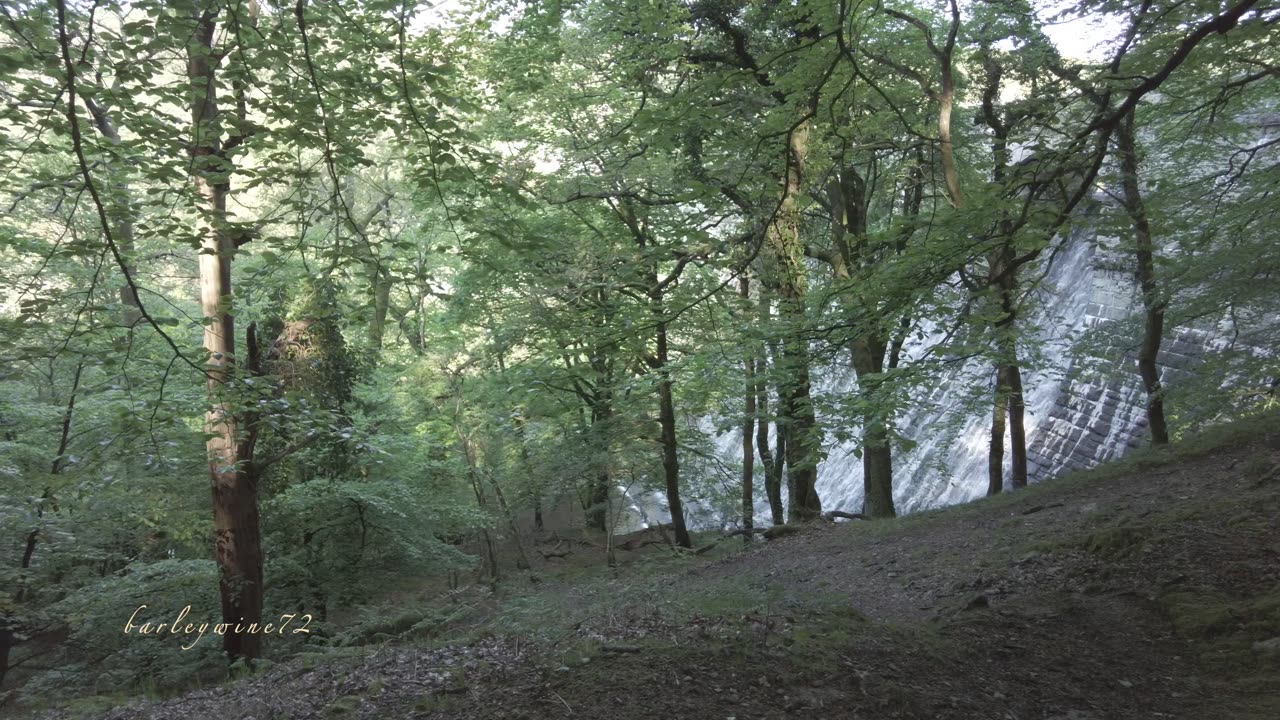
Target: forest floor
x,y
1149,588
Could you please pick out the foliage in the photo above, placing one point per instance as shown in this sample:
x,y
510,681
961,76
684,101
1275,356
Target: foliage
x,y
514,261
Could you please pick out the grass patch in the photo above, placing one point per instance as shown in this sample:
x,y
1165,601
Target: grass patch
x,y
1117,542
347,706
1225,630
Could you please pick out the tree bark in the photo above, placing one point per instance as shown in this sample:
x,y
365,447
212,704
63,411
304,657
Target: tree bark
x,y
533,487
785,257
775,472
670,447
877,454
1008,406
771,464
597,509
522,560
381,281
1017,426
946,99
995,457
748,425
237,531
1008,399
1153,326
847,195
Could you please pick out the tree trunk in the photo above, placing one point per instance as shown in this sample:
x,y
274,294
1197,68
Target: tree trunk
x,y
1009,391
774,472
748,426
473,474
995,458
122,215
946,99
847,195
237,531
786,266
381,281
670,456
600,400
802,447
597,508
8,637
771,464
533,487
877,454
522,559
1153,327
1017,426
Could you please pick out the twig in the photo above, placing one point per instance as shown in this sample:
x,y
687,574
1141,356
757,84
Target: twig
x,y
566,705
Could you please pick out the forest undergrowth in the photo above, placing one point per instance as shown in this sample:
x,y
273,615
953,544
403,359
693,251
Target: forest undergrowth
x,y
1145,588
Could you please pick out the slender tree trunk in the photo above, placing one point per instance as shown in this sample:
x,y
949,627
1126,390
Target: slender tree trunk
x,y
8,637
522,560
601,403
1017,426
534,487
486,538
1153,327
946,100
237,529
771,464
1008,405
381,281
995,458
774,477
670,455
121,212
482,502
597,510
748,426
803,437
1009,392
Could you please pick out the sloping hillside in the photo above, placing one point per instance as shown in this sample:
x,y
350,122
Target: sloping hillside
x,y
1145,589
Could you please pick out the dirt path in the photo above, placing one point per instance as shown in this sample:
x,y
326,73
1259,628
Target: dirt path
x,y
1149,590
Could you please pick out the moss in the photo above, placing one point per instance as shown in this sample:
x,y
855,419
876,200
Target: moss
x,y
778,531
1261,470
1224,631
94,705
579,654
1198,615
434,703
1262,615
1117,542
345,706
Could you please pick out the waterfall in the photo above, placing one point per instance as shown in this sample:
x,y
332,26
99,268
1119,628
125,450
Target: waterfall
x,y
1073,420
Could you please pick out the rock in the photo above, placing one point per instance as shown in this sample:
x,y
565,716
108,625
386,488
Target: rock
x,y
1270,648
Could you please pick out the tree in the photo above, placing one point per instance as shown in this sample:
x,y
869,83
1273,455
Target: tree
x,y
1153,305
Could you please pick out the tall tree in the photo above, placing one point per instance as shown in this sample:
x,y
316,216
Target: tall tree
x,y
232,470
1153,306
